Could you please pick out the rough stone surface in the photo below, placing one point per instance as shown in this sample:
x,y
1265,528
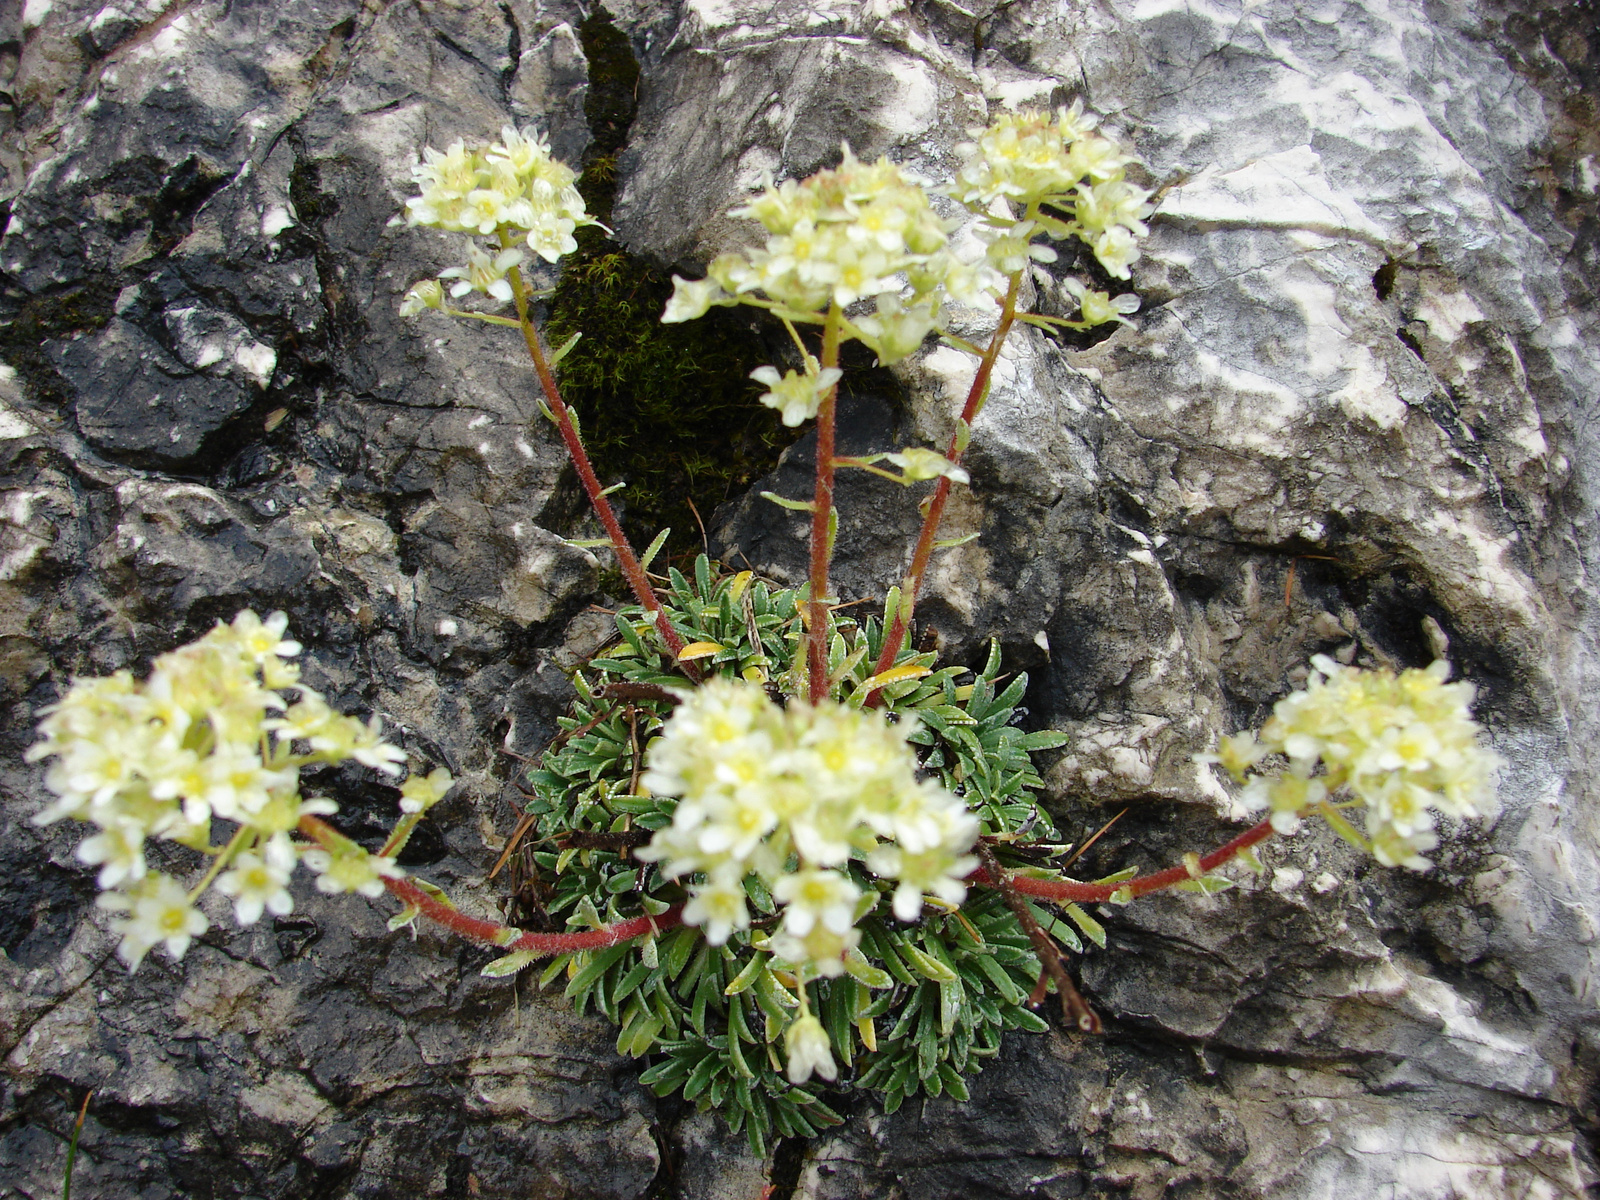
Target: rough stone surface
x,y
1359,395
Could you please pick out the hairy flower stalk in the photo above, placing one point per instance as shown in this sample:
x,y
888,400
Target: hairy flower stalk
x,y
822,518
922,553
1030,174
513,192
858,233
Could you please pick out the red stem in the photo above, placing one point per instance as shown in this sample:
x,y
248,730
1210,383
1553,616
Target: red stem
x,y
895,636
821,514
1098,893
626,559
505,937
492,933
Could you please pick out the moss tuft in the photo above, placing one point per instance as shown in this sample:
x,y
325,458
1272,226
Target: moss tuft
x,y
669,408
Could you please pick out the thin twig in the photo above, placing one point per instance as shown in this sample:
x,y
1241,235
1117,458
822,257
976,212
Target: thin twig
x,y
626,558
1074,1007
621,839
705,542
1084,849
633,741
528,821
632,690
821,519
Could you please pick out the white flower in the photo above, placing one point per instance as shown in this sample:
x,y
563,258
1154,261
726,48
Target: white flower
x,y
1011,247
258,883
259,640
421,792
484,274
807,1048
1116,250
350,869
550,235
120,847
797,397
718,907
159,914
1098,308
1110,203
827,898
896,332
427,294
917,463
692,298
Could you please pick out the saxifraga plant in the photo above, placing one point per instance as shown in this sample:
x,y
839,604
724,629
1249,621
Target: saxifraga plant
x,y
782,842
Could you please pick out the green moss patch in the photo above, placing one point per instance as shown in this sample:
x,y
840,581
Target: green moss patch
x,y
668,408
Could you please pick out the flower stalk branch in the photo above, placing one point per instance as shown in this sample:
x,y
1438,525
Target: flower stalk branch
x,y
895,636
1070,890
1073,1006
492,933
822,517
632,571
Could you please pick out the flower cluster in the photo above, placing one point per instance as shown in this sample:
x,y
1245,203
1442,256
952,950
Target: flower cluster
x,y
510,190
820,784
866,232
1046,166
1400,746
861,231
209,735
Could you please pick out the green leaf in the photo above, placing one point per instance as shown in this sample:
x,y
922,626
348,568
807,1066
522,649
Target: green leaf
x,y
1046,739
796,505
1206,885
630,982
857,965
565,348
953,1083
746,978
927,964
654,549
679,947
1021,1018
1001,979
1092,929
991,668
950,999
1119,877
625,628
598,966
510,964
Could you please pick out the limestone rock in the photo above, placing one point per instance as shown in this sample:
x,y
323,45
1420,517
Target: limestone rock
x,y
1351,417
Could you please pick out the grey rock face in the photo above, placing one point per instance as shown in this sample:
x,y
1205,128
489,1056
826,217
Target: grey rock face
x,y
1357,396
